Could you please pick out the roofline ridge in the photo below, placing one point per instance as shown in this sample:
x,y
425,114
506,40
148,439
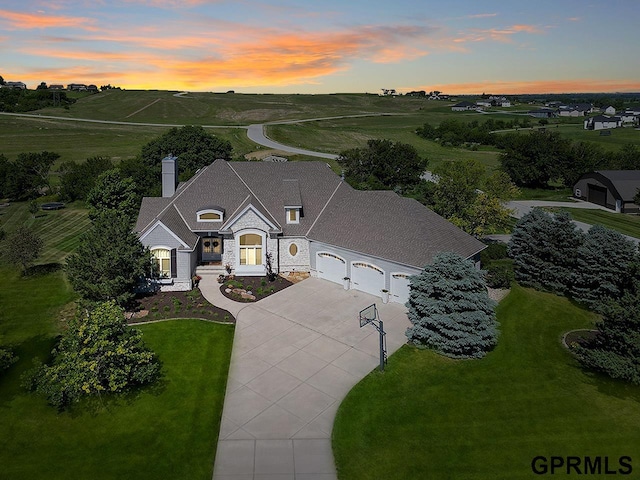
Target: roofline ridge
x,y
255,196
237,210
324,208
175,197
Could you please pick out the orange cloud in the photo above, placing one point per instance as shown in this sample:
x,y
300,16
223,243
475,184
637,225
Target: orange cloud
x,y
536,86
483,15
28,21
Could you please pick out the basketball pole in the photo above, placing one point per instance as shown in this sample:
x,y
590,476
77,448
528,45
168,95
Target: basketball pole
x,y
382,353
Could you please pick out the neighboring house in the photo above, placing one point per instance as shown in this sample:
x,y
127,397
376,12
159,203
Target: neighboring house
x,y
78,87
56,86
609,110
579,110
18,85
543,113
629,118
601,122
235,213
463,107
613,189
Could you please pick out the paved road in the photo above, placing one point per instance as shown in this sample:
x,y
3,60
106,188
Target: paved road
x,y
522,207
256,134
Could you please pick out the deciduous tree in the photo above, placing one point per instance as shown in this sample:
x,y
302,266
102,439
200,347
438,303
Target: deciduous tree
x,y
99,353
22,248
194,147
77,179
450,310
383,164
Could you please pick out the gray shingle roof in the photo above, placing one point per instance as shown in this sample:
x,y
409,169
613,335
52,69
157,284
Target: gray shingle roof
x,y
376,223
385,225
626,182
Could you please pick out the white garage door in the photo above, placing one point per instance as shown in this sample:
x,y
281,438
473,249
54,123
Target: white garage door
x,y
399,287
331,267
367,278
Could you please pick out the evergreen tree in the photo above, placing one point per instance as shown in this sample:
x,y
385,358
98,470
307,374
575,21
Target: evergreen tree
x,y
99,353
544,249
450,309
604,263
615,351
109,260
112,192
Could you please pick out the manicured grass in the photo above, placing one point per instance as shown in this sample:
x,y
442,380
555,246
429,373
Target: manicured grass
x,y
550,194
167,431
429,416
59,229
623,223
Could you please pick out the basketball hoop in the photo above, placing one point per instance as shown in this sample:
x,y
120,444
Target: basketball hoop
x,y
368,316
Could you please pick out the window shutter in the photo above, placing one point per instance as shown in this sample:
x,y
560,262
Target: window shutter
x,y
174,263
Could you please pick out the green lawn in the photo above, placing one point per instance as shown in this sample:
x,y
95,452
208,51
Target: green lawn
x,y
429,416
59,229
167,431
623,223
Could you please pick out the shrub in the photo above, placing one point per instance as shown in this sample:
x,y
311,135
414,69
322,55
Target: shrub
x,y
500,273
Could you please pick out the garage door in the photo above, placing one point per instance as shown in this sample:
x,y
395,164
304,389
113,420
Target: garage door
x,y
331,267
367,278
597,195
399,287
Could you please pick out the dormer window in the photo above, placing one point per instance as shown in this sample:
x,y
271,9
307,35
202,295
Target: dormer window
x,y
293,215
210,215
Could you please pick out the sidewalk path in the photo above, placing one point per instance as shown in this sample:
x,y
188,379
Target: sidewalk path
x,y
296,355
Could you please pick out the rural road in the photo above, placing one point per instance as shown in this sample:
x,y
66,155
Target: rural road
x,y
255,132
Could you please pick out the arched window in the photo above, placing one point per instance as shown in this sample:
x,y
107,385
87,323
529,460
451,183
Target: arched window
x,y
162,257
250,249
210,215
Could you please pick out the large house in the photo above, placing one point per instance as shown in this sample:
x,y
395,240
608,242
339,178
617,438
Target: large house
x,y
301,214
614,189
601,122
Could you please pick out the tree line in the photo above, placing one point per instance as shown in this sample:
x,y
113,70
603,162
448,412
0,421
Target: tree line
x,y
536,158
599,269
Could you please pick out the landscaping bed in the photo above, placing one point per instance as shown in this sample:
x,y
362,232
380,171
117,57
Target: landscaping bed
x,y
579,337
165,305
252,289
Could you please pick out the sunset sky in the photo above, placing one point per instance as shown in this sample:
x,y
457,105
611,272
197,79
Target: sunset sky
x,y
294,46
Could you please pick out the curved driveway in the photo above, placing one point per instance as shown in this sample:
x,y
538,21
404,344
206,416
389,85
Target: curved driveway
x,y
296,354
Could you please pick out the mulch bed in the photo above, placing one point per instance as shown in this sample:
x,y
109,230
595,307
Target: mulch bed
x,y
260,287
167,305
578,336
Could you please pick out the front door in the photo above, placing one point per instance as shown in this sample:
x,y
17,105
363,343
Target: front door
x,y
212,249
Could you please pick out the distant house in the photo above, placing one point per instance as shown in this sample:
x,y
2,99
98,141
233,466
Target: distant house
x,y
463,107
77,87
577,110
613,189
629,118
543,113
18,85
499,101
633,109
601,122
483,103
56,86
609,110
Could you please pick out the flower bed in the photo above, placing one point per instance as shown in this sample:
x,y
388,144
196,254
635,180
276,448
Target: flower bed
x,y
252,289
165,305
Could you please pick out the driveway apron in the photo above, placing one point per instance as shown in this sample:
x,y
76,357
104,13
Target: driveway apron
x,y
296,354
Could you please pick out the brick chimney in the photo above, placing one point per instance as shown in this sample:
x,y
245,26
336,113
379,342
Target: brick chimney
x,y
169,175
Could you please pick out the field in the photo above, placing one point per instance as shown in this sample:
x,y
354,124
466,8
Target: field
x,y
428,416
60,230
226,114
168,431
625,224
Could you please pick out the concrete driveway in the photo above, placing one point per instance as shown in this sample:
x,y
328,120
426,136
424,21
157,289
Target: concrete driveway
x,y
295,356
